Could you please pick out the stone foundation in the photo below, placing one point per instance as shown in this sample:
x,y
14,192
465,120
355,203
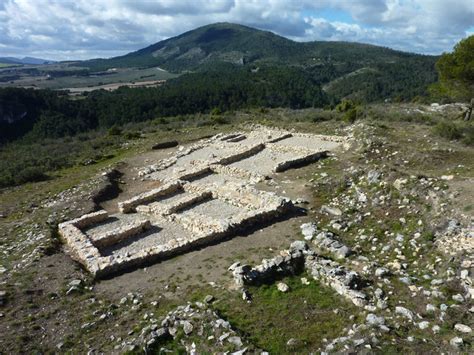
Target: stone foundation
x,y
204,199
296,259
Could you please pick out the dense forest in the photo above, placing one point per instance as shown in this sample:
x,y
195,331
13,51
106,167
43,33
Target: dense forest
x,y
48,114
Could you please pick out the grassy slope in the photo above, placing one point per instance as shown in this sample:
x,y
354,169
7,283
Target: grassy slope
x,y
38,306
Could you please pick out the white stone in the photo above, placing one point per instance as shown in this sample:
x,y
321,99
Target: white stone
x,y
404,312
462,328
283,287
309,230
304,281
423,325
456,342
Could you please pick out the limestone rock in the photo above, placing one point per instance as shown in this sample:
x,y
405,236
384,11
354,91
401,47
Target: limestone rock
x,y
309,230
423,325
457,342
331,210
373,320
283,287
187,327
404,312
235,340
399,183
462,328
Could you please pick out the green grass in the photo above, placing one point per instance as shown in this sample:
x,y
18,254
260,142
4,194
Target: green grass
x,y
305,313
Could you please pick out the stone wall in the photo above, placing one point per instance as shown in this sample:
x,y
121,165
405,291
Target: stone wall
x,y
294,260
147,211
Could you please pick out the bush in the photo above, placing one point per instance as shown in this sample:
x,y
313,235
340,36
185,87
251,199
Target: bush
x,y
216,111
218,119
114,131
30,174
448,130
132,135
345,106
469,136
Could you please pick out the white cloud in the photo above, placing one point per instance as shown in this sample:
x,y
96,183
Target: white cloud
x,y
78,29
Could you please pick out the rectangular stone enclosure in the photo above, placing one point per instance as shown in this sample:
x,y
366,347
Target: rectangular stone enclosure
x,y
207,193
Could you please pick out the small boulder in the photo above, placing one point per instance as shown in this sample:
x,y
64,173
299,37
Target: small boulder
x,y
404,312
458,298
373,176
236,341
75,283
462,328
457,342
399,183
373,320
298,245
331,210
423,325
304,281
382,272
283,287
246,296
187,327
309,230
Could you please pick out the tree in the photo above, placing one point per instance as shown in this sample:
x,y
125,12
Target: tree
x,y
456,72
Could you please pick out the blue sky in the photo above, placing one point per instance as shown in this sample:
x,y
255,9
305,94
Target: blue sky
x,y
329,14
81,29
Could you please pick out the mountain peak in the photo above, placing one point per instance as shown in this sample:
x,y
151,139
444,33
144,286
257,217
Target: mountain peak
x,y
237,44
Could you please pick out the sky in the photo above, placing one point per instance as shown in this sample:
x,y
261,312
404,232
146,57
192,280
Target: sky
x,y
82,29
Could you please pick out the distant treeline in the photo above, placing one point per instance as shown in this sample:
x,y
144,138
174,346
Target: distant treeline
x,y
49,114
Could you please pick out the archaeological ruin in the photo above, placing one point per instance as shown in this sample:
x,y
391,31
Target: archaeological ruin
x,y
207,192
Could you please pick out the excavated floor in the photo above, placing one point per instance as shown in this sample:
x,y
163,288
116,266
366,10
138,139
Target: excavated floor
x,y
161,232
207,191
263,162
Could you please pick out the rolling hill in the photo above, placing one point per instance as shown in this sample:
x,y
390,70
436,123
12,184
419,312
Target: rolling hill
x,y
346,70
25,60
242,45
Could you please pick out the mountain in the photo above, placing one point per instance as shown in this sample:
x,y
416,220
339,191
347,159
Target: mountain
x,y
25,60
241,45
345,70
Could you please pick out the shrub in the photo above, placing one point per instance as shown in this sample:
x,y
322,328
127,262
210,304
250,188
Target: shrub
x,y
448,129
469,136
114,131
30,174
350,116
132,135
216,111
345,106
218,119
